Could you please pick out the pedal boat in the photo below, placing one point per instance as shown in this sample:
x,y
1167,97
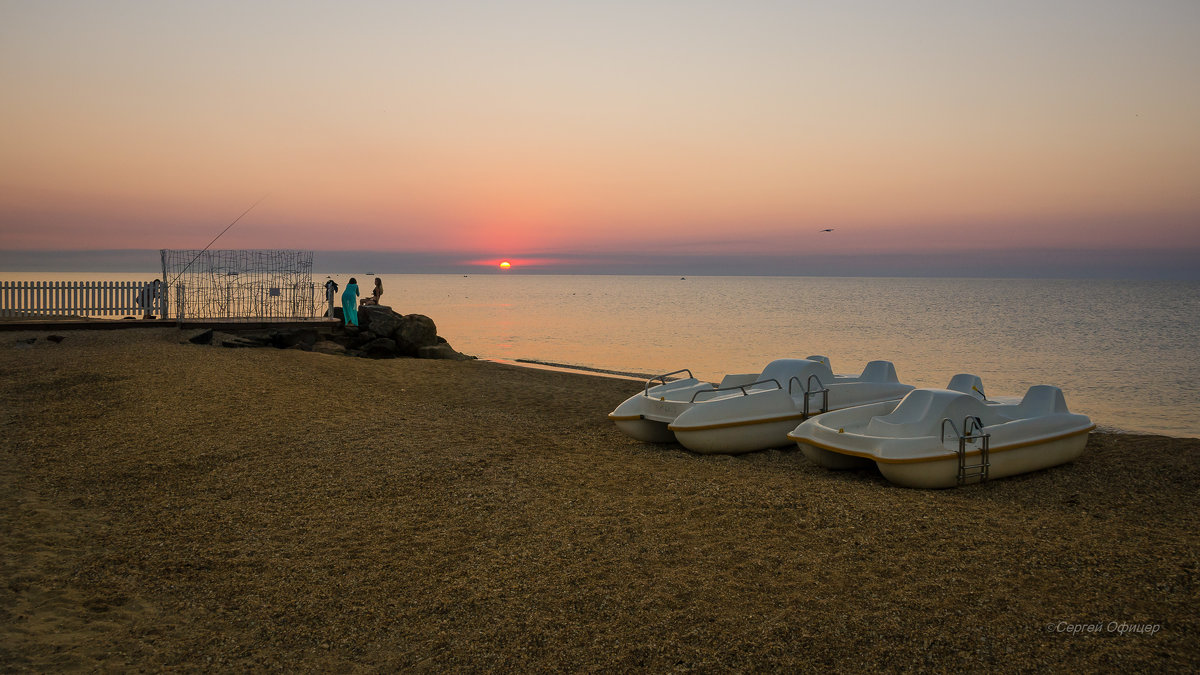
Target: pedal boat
x,y
645,416
757,416
941,438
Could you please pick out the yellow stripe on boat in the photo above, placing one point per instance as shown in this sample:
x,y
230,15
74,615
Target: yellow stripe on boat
x,y
740,423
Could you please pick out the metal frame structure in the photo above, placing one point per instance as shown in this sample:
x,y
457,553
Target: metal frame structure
x,y
240,284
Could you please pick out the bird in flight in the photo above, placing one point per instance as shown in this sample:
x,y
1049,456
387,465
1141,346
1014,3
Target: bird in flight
x,y
828,229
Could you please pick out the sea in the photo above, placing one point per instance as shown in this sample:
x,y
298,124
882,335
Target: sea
x,y
1125,353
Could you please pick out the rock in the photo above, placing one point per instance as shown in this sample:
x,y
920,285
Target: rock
x,y
356,340
441,350
380,348
328,347
411,333
380,320
415,331
204,337
256,339
286,339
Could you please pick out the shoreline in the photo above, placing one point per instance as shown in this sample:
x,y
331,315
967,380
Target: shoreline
x,y
9,325
1163,412
171,505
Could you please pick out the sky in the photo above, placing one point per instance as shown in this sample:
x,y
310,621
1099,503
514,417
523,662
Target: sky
x,y
964,137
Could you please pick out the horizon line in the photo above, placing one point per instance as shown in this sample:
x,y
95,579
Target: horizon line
x,y
1026,263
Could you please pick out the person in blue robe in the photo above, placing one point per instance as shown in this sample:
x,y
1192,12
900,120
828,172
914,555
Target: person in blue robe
x,y
350,302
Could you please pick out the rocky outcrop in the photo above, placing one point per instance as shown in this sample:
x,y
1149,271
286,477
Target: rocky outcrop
x,y
328,347
288,339
245,341
379,320
442,350
416,332
383,333
379,348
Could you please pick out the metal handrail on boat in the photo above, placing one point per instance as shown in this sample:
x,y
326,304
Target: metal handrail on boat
x,y
945,421
663,378
737,386
798,383
972,423
972,431
810,391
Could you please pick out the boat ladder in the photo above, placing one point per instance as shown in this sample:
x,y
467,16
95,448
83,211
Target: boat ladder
x,y
809,392
972,432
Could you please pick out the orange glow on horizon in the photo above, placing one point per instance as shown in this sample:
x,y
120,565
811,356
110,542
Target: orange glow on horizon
x,y
513,263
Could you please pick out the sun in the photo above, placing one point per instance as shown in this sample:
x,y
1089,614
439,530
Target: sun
x,y
505,265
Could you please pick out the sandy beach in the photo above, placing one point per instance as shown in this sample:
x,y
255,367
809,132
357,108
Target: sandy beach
x,y
170,505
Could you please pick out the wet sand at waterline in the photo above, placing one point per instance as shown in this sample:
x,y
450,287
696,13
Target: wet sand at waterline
x,y
170,505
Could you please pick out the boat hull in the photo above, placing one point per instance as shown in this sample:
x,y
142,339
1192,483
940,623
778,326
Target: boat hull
x,y
647,431
645,416
904,442
734,439
758,421
749,412
943,473
833,460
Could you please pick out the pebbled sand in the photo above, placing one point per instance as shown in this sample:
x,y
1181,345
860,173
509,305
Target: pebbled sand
x,y
168,505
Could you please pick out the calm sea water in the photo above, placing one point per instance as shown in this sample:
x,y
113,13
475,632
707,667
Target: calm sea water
x,y
1126,353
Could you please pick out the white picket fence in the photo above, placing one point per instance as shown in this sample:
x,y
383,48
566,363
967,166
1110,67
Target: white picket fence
x,y
32,299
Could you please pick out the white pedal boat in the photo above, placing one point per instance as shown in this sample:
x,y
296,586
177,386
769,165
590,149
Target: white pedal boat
x,y
645,416
756,415
940,438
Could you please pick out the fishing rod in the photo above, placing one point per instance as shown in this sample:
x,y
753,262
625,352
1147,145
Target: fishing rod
x,y
235,221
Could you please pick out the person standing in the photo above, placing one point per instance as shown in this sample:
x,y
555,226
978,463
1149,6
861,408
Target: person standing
x,y
331,289
350,303
147,296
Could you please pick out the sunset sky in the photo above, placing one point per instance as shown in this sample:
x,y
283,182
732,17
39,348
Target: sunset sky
x,y
999,138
